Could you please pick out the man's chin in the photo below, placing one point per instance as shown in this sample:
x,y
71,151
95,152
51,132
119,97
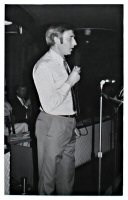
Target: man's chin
x,y
69,53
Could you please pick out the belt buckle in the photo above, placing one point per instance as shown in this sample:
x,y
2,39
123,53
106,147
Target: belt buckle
x,y
72,116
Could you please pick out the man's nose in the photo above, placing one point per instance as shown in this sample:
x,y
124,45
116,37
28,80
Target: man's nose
x,y
74,42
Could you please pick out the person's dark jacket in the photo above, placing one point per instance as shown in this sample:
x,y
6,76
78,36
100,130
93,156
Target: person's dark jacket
x,y
19,111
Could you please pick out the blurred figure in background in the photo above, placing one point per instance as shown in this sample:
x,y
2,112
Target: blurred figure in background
x,y
21,106
7,116
10,125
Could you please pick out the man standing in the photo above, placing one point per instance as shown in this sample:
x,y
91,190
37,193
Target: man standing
x,y
56,122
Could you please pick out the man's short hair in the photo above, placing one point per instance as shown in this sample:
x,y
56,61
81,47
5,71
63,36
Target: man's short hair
x,y
56,31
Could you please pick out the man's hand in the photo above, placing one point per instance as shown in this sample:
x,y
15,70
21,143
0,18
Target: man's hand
x,y
77,132
74,76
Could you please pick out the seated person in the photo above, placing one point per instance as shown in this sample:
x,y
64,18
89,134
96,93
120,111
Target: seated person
x,y
113,101
21,106
117,99
7,117
9,126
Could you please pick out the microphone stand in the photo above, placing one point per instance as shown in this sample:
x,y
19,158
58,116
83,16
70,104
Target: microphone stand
x,y
100,137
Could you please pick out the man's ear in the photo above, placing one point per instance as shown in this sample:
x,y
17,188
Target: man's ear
x,y
57,40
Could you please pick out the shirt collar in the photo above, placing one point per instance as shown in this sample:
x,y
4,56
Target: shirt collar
x,y
20,100
56,56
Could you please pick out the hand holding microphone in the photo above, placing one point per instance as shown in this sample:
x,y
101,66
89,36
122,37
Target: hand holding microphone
x,y
74,76
77,69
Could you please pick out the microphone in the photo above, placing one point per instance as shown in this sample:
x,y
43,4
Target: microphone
x,y
106,81
109,81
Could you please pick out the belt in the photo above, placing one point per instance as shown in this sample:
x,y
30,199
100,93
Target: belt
x,y
70,116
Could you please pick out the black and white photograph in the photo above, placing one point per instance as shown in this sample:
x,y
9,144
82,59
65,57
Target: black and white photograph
x,y
63,99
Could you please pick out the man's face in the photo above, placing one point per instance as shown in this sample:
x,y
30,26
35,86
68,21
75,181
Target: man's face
x,y
68,43
22,92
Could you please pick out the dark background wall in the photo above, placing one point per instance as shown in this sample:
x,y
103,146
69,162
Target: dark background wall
x,y
100,54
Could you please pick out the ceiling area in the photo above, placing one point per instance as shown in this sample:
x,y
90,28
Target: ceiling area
x,y
80,15
34,17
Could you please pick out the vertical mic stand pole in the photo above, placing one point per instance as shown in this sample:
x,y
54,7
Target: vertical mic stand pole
x,y
100,138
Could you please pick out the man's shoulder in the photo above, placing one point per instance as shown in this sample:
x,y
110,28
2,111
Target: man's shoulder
x,y
15,103
14,100
46,61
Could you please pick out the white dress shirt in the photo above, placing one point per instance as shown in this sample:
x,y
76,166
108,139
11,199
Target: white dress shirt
x,y
50,77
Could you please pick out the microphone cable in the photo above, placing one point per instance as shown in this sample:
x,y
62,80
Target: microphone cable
x,y
78,114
